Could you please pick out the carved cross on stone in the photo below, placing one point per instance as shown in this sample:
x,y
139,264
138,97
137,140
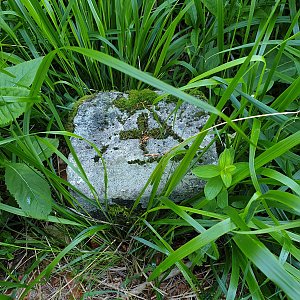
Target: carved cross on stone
x,y
143,133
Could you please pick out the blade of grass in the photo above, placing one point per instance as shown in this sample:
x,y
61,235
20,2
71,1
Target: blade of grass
x,y
268,264
234,276
254,138
271,153
194,244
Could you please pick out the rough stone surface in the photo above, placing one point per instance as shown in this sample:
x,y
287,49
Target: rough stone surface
x,y
131,144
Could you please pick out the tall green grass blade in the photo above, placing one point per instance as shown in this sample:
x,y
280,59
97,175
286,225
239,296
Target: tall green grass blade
x,y
270,229
220,23
188,275
208,236
133,72
234,276
283,179
268,155
253,286
289,200
228,65
268,264
254,138
182,168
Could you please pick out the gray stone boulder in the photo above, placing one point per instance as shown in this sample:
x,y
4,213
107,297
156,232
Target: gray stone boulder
x,y
131,141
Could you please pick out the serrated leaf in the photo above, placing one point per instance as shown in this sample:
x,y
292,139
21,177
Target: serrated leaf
x,y
11,110
13,94
21,75
30,189
213,187
207,171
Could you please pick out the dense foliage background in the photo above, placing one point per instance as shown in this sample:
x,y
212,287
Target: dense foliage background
x,y
243,229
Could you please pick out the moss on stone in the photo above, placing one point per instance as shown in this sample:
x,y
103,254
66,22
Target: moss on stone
x,y
142,123
116,210
69,126
144,162
136,100
130,134
104,149
178,157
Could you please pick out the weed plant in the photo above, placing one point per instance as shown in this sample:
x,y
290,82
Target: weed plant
x,y
243,228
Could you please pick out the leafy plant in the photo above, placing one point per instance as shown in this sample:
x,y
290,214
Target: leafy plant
x,y
14,90
26,184
30,189
219,177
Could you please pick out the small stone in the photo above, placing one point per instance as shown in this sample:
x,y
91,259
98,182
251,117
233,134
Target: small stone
x,y
131,143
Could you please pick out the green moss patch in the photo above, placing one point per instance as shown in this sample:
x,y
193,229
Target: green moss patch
x,y
136,100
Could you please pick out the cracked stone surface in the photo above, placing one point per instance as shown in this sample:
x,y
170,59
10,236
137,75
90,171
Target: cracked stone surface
x,y
131,145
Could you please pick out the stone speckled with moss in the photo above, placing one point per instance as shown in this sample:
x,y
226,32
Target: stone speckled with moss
x,y
132,143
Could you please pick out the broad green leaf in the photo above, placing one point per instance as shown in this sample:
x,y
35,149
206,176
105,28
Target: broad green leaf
x,y
230,168
226,158
22,74
11,110
226,178
14,94
207,171
213,187
30,189
268,264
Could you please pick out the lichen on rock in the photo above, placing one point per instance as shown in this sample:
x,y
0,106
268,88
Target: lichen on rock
x,y
133,135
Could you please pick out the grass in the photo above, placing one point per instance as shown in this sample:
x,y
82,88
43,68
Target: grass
x,y
238,239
